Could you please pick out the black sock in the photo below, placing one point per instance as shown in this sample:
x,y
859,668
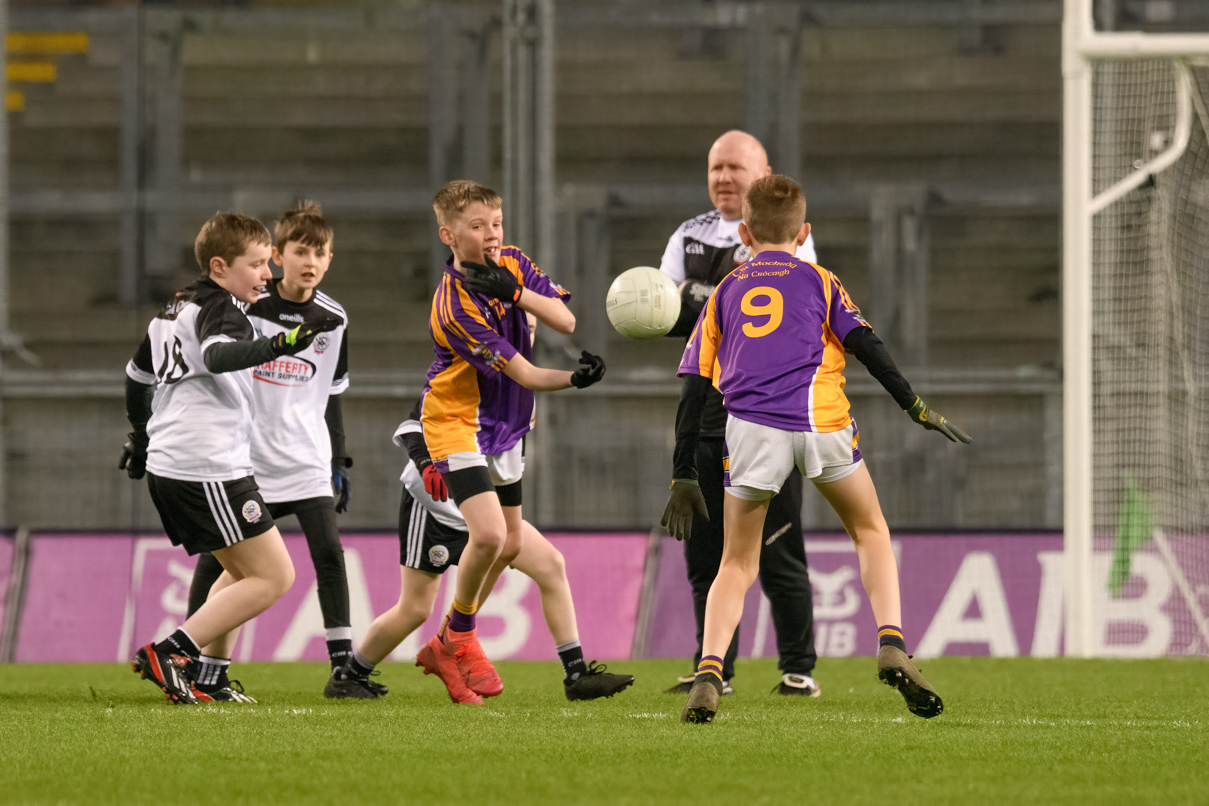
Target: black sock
x,y
572,656
358,666
339,651
890,635
179,643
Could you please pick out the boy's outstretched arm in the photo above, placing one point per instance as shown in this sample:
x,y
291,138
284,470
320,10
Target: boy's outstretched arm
x,y
540,379
231,356
492,280
549,311
870,351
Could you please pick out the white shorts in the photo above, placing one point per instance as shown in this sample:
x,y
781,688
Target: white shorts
x,y
504,468
757,459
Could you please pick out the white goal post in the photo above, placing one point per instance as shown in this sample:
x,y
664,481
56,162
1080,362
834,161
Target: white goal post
x,y
1154,86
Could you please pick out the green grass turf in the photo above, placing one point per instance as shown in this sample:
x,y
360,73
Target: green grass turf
x,y
1013,731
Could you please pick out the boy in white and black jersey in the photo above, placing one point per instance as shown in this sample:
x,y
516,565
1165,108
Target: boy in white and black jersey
x,y
298,448
189,399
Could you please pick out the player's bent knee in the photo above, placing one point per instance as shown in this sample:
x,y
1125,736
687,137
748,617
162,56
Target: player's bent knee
x,y
742,567
864,534
553,569
280,579
557,565
417,612
509,552
405,613
493,539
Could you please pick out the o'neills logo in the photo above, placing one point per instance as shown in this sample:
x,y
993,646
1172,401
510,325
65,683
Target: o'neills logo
x,y
291,317
285,371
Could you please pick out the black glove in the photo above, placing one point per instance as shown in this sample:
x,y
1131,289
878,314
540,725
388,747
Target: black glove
x,y
134,455
295,341
686,498
931,420
592,371
340,485
492,281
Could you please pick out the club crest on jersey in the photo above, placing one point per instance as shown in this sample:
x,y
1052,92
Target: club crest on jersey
x,y
320,343
251,511
742,253
438,555
487,354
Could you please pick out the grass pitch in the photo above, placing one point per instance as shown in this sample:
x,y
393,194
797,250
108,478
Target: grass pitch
x,y
1013,731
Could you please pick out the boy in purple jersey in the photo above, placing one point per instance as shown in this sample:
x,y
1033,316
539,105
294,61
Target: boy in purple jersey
x,y
478,405
772,339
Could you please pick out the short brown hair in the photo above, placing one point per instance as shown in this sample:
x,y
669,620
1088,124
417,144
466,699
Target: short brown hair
x,y
453,199
304,223
227,235
774,209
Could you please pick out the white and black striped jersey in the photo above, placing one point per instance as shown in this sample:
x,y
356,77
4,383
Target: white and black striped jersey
x,y
201,422
445,512
291,447
707,248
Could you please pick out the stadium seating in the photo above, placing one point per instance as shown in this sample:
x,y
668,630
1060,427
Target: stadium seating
x,y
293,110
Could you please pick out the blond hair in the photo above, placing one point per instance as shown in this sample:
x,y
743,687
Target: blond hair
x,y
227,235
453,199
304,223
774,209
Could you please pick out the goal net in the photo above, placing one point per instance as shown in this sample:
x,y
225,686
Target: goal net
x,y
1148,227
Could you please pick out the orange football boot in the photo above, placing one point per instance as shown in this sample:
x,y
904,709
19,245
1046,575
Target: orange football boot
x,y
436,658
481,677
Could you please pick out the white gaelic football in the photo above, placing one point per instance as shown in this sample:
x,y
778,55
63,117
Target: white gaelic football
x,y
643,303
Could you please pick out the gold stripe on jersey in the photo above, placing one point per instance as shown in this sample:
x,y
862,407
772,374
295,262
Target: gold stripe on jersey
x,y
450,413
830,410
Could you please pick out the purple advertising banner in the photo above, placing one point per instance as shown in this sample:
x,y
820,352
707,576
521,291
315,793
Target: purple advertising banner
x,y
998,595
97,598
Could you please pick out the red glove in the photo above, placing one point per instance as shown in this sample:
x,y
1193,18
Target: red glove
x,y
434,483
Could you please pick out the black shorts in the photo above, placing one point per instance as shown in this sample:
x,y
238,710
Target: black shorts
x,y
425,543
470,481
209,515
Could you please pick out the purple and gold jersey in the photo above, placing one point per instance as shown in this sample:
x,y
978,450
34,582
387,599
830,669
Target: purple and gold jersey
x,y
469,404
771,339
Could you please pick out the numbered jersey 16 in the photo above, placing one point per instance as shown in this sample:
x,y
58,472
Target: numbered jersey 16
x,y
201,422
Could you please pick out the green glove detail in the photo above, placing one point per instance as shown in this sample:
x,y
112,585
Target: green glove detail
x,y
686,498
295,341
933,421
